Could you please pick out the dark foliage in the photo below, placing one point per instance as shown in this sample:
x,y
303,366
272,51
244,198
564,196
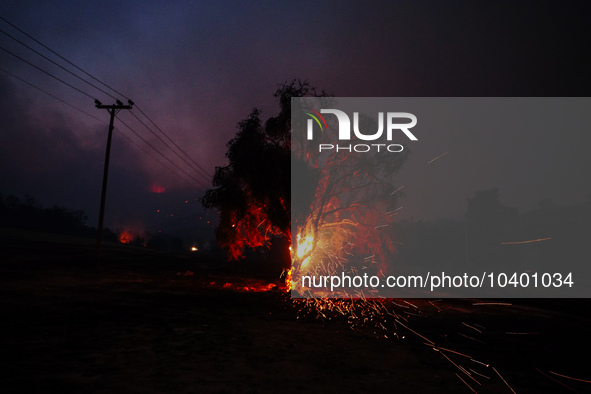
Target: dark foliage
x,y
252,193
27,213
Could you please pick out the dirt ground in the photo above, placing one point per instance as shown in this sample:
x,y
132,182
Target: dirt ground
x,y
154,322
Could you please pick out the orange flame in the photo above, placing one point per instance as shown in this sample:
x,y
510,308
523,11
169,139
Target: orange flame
x,y
125,237
304,246
288,281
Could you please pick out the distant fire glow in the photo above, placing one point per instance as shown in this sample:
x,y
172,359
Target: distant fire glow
x,y
132,235
156,188
125,237
194,248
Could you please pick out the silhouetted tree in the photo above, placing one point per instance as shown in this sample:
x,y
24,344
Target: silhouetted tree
x,y
28,213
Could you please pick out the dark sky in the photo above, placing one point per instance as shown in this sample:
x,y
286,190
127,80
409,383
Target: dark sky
x,y
198,68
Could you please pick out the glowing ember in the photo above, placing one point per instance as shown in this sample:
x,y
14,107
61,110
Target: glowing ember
x,y
244,285
194,248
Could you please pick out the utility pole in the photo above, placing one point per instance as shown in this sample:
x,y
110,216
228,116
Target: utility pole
x,y
113,110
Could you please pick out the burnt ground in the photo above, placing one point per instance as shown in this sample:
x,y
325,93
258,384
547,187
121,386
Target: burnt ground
x,y
151,322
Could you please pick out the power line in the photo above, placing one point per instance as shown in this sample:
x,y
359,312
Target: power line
x,y
168,146
46,72
155,158
59,65
63,58
178,147
99,81
161,154
199,169
51,95
86,94
122,134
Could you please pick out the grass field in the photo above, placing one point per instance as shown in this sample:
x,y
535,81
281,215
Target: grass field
x,y
153,322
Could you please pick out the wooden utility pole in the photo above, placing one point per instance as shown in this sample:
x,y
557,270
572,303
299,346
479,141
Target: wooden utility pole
x,y
113,110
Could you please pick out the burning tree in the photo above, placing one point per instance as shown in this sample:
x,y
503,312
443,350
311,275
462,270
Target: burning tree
x,y
340,204
344,226
252,193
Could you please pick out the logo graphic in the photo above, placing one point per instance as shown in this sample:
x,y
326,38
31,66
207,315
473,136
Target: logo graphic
x,y
314,116
344,129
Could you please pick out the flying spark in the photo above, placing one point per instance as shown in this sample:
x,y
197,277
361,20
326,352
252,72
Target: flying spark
x,y
526,242
432,160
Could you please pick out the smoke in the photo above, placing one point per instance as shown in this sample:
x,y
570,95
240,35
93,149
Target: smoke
x,y
58,160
